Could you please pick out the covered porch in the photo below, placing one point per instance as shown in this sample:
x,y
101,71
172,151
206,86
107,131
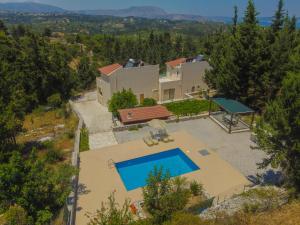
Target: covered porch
x,y
229,117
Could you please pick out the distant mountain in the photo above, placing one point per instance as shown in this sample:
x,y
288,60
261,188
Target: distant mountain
x,y
149,12
30,7
143,11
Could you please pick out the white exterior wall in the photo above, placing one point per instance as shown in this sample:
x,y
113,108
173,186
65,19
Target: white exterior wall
x,y
175,84
141,80
193,75
104,85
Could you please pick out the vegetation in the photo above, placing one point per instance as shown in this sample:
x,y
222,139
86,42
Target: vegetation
x,y
250,62
122,100
85,24
189,107
164,196
84,140
149,102
196,188
34,186
112,214
54,100
278,131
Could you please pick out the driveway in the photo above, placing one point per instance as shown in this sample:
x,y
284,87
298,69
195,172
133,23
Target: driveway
x,y
98,121
234,148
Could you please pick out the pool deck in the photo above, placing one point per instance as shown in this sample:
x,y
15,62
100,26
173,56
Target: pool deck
x,y
97,180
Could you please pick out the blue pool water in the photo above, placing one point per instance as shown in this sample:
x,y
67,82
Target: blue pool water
x,y
134,172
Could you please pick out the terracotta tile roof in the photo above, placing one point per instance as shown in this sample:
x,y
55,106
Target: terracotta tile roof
x,y
107,70
176,62
143,114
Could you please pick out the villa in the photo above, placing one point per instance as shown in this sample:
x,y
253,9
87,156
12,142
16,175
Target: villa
x,y
184,77
138,76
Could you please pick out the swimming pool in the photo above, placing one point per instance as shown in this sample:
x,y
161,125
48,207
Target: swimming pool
x,y
134,172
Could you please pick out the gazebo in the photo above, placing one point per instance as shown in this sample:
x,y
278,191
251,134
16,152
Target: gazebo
x,y
229,117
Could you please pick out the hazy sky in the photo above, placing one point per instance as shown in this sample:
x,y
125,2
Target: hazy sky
x,y
201,7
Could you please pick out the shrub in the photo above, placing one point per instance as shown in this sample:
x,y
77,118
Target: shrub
x,y
54,155
84,140
149,102
164,196
122,100
16,215
111,214
54,100
196,188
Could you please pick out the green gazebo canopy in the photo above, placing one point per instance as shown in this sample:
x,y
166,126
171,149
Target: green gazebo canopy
x,y
232,106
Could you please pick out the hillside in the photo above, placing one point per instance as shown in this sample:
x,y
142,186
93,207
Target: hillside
x,y
30,7
149,12
92,24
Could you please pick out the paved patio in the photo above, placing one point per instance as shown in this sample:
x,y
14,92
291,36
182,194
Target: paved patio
x,y
234,148
98,121
97,180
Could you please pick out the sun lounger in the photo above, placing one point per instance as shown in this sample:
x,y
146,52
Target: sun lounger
x,y
148,141
170,139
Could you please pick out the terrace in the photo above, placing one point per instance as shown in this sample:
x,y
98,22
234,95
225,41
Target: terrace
x,y
218,177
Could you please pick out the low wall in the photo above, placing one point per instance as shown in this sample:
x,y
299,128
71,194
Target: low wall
x,y
172,119
72,198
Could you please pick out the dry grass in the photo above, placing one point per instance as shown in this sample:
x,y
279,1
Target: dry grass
x,y
42,124
288,214
53,124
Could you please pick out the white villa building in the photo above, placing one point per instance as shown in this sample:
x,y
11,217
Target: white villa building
x,y
183,78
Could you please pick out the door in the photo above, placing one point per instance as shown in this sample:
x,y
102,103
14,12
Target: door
x,y
172,94
142,97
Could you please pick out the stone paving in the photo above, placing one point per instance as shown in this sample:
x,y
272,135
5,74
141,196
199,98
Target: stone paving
x,y
98,121
234,148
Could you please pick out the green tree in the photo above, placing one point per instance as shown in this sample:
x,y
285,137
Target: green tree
x,y
164,196
54,100
47,32
112,214
87,73
235,20
279,129
3,27
122,100
33,185
278,19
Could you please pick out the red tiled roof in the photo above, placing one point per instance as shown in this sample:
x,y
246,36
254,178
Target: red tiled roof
x,y
107,70
176,62
143,114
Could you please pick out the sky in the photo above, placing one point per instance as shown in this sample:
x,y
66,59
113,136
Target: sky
x,y
199,7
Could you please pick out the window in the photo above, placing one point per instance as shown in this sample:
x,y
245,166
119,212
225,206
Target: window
x,y
193,89
169,94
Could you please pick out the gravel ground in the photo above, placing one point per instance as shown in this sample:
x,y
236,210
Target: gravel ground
x,y
234,148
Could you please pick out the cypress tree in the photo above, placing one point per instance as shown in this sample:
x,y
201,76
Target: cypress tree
x,y
235,20
278,19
